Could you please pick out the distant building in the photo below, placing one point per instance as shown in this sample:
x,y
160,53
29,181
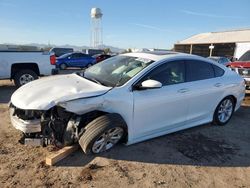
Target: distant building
x,y
232,43
12,47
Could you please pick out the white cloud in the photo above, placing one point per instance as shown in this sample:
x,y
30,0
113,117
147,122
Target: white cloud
x,y
149,27
208,15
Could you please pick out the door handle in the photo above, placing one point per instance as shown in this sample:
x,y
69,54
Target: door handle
x,y
184,90
218,85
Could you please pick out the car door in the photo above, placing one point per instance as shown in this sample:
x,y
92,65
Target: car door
x,y
204,90
78,61
71,60
87,60
165,108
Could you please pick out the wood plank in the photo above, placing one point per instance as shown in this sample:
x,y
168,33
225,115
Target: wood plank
x,y
60,154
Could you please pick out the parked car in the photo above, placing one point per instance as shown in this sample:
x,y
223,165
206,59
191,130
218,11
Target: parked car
x,y
101,57
242,67
129,98
222,60
24,67
93,51
75,59
61,51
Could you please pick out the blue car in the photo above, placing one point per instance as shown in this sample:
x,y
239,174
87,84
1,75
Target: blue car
x,y
75,59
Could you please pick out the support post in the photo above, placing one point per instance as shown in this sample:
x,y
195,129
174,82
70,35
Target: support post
x,y
211,47
191,48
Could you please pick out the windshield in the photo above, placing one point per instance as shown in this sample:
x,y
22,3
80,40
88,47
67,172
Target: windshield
x,y
245,56
117,70
65,55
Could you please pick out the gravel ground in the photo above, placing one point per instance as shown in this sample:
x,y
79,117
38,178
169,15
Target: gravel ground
x,y
205,156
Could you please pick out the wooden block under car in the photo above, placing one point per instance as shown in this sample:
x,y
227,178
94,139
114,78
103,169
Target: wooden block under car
x,y
60,154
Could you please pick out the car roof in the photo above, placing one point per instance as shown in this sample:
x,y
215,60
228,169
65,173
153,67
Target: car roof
x,y
157,56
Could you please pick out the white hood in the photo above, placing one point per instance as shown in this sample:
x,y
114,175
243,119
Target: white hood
x,y
45,93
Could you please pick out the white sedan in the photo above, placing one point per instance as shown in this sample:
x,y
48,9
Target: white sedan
x,y
130,98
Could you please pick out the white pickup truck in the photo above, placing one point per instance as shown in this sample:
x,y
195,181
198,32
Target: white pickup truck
x,y
23,67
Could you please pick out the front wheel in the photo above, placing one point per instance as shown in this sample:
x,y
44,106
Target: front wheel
x,y
224,111
102,134
63,66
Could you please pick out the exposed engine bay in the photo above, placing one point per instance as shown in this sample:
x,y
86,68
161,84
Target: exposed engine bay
x,y
57,126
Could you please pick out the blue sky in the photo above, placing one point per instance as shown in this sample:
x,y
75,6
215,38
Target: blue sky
x,y
126,24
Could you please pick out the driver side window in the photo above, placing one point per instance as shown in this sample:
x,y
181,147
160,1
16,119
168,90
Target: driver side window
x,y
169,73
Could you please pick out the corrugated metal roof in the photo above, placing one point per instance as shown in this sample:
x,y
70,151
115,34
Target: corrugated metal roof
x,y
233,36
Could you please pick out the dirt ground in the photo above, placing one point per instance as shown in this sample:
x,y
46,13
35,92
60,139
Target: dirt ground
x,y
205,156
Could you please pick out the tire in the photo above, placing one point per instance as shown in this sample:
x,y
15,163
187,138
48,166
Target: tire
x,y
96,131
218,120
63,66
24,76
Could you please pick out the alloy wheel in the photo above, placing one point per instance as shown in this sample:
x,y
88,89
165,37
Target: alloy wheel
x,y
107,140
225,110
25,78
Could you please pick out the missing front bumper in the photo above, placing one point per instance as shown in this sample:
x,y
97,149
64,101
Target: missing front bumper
x,y
26,126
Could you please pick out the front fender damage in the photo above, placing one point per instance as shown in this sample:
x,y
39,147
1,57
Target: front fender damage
x,y
82,106
60,125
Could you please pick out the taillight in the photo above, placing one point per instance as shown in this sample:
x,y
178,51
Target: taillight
x,y
52,59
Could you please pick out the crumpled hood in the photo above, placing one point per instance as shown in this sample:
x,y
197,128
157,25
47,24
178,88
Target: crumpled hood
x,y
45,93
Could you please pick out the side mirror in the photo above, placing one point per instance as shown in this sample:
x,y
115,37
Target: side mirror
x,y
150,84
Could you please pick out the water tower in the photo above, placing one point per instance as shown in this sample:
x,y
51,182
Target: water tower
x,y
96,27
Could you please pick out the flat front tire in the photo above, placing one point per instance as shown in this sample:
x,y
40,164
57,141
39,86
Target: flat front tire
x,y
224,111
103,133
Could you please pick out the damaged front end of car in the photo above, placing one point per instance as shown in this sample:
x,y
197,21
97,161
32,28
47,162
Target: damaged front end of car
x,y
54,109
54,126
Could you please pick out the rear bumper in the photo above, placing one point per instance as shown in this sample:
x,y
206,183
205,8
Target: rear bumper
x,y
26,126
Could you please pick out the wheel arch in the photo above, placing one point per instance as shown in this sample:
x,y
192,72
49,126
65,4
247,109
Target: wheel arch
x,y
233,97
90,116
16,67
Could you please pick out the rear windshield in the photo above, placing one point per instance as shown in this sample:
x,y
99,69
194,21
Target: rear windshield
x,y
245,56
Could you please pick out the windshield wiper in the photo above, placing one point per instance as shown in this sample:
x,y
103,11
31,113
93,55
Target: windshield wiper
x,y
91,79
95,80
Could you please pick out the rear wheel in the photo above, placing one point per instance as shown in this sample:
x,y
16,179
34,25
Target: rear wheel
x,y
224,111
102,134
24,76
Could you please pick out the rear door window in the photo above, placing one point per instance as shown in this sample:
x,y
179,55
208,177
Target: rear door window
x,y
199,70
218,71
83,55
